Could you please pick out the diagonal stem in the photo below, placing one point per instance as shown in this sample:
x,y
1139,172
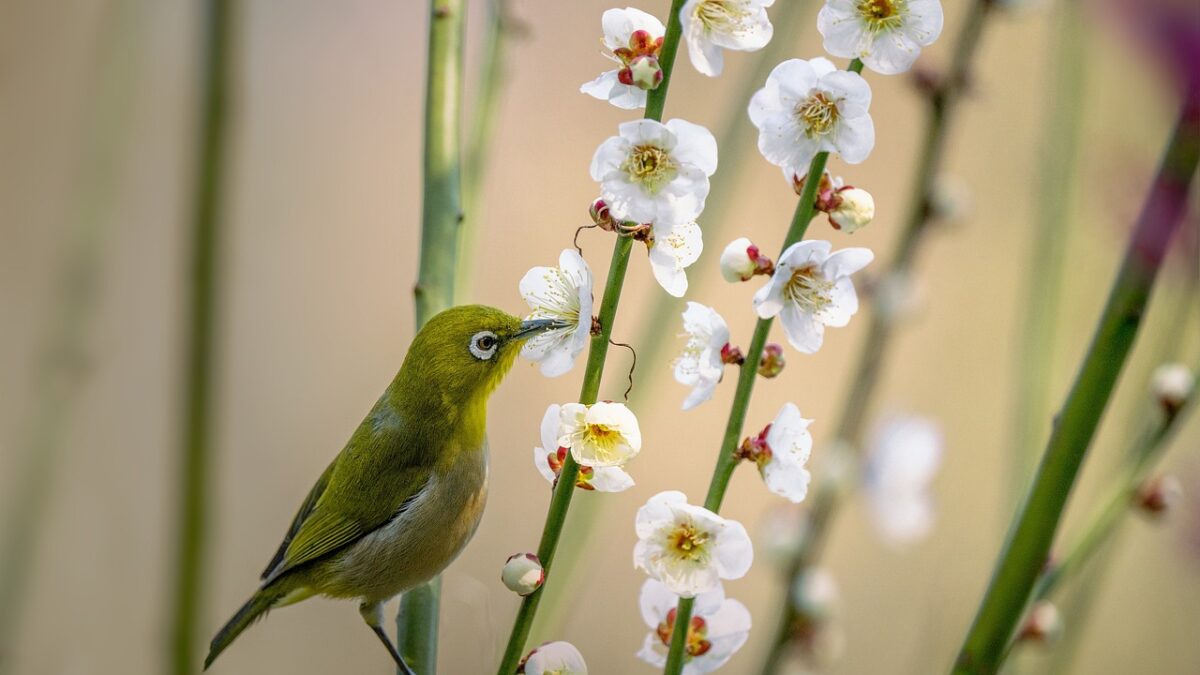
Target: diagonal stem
x,y
856,406
1026,551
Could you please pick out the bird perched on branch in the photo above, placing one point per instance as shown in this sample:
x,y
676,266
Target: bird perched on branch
x,y
403,498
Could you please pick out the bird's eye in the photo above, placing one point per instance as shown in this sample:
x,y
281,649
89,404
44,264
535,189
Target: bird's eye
x,y
483,345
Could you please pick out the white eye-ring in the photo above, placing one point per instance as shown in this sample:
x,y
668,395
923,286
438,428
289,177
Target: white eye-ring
x,y
483,344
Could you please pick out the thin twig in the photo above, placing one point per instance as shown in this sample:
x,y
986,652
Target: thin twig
x,y
632,366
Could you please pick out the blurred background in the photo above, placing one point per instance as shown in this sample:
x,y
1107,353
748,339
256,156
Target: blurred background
x,y
321,219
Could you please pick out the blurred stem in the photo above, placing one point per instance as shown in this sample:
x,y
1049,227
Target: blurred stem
x,y
479,141
1147,450
441,214
564,487
727,458
737,143
1037,316
62,364
942,102
1025,552
201,328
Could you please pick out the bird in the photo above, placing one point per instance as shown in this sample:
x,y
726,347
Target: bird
x,y
401,500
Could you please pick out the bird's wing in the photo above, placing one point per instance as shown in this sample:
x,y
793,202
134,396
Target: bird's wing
x,y
306,509
347,510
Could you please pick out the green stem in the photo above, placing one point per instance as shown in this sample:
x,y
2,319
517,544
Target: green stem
x,y
63,360
564,489
479,143
1047,246
441,215
737,144
727,458
201,327
857,404
1103,524
1025,552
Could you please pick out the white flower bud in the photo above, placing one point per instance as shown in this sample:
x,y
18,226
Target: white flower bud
x,y
739,260
856,210
523,573
1043,625
1172,384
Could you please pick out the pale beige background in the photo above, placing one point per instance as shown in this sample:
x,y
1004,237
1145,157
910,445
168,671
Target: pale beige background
x,y
320,252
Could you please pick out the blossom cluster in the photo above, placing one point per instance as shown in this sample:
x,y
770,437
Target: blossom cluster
x,y
653,181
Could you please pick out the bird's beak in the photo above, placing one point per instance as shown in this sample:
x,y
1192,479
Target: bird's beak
x,y
530,328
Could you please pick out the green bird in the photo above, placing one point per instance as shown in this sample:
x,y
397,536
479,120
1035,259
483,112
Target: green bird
x,y
403,498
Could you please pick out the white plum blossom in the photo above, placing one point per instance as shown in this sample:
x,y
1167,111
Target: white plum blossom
x,y
886,34
600,435
781,452
656,173
671,252
689,548
562,293
808,107
719,627
555,658
624,47
550,456
701,365
710,26
903,458
811,289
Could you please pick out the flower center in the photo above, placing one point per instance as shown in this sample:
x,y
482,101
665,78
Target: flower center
x,y
817,114
809,289
649,165
721,16
688,543
697,644
603,438
881,15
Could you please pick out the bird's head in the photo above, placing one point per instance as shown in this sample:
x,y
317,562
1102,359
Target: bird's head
x,y
463,353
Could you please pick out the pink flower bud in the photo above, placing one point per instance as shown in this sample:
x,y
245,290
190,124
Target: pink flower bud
x,y
772,362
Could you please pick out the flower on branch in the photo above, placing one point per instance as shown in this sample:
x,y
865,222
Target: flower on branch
x,y
903,458
563,293
550,456
886,34
702,363
710,26
719,627
600,435
656,173
672,250
633,39
811,289
554,658
689,548
809,107
781,451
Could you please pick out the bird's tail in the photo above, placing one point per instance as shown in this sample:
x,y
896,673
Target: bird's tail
x,y
254,609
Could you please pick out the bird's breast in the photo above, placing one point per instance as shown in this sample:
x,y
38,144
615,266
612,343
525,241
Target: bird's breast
x,y
419,542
